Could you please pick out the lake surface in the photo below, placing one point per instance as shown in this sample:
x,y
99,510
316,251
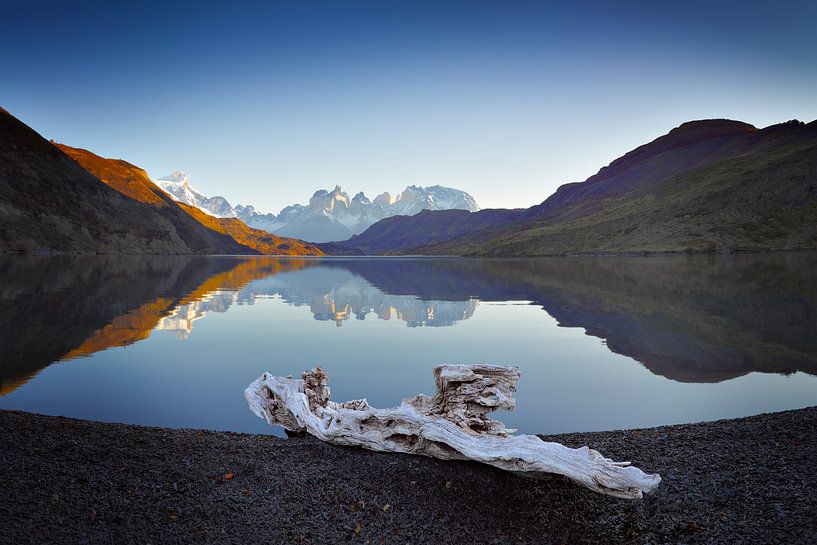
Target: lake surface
x,y
602,343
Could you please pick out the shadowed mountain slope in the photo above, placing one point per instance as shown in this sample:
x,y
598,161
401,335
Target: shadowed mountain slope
x,y
746,191
189,221
400,233
706,186
58,199
49,203
260,241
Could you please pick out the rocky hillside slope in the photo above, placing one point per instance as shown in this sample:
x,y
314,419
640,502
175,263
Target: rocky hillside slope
x,y
58,199
135,183
49,203
402,234
707,186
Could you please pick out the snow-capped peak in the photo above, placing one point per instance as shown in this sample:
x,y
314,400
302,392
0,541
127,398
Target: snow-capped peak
x,y
330,214
177,185
176,177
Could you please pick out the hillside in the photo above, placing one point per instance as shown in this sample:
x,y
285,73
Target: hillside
x,y
189,221
59,199
746,192
261,241
49,203
402,233
706,186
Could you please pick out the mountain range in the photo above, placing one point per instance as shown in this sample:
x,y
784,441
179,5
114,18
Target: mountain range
x,y
709,186
329,215
59,199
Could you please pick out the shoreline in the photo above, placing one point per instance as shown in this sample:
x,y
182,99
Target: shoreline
x,y
746,480
388,255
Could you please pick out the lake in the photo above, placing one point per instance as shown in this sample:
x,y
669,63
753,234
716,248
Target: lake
x,y
602,343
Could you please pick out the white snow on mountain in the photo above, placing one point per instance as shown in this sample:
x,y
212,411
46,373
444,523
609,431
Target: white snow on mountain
x,y
330,215
330,294
178,186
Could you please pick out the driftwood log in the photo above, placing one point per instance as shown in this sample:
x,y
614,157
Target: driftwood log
x,y
453,424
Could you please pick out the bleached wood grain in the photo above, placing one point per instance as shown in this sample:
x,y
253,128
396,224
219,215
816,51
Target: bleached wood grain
x,y
451,425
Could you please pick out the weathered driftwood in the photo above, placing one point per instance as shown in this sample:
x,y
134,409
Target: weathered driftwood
x,y
451,425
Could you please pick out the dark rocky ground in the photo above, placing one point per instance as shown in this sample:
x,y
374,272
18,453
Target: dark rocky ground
x,y
751,480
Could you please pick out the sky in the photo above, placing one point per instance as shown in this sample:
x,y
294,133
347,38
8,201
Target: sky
x,y
265,103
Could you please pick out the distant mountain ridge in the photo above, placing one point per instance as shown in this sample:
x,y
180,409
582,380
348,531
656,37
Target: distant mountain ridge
x,y
49,203
59,199
329,215
178,185
709,186
134,182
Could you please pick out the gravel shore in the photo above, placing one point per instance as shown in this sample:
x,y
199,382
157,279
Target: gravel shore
x,y
750,480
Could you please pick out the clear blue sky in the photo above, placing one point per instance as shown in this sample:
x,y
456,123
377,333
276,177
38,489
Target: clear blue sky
x,y
265,103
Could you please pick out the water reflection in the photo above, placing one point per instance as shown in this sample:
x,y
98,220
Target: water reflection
x,y
331,294
181,319
61,308
690,319
334,293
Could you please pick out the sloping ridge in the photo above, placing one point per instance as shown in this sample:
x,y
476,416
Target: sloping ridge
x,y
192,223
685,147
58,199
706,186
48,203
402,233
133,182
691,191
261,241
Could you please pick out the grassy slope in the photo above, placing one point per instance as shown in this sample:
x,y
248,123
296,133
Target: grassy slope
x,y
49,203
226,235
761,200
133,182
261,241
426,227
126,178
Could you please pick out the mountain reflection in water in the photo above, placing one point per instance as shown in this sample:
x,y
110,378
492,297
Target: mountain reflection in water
x,y
331,294
689,319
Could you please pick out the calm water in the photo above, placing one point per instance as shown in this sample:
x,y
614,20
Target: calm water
x,y
602,343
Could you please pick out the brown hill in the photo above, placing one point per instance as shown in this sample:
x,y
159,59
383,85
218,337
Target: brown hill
x,y
744,191
707,186
50,204
261,241
126,178
134,182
